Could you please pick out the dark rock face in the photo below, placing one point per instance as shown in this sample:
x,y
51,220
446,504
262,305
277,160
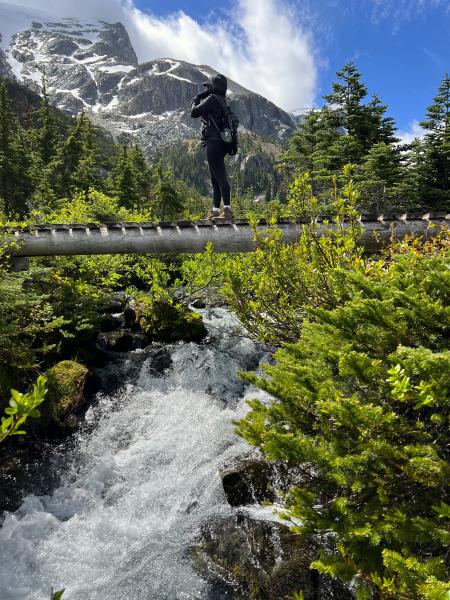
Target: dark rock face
x,y
248,481
160,361
116,44
262,559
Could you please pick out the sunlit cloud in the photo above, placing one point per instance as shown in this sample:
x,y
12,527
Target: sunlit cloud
x,y
414,131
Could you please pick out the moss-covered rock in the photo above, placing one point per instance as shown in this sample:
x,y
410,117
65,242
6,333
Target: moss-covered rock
x,y
166,321
65,382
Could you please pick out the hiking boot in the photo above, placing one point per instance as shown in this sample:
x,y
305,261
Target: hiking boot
x,y
227,214
213,214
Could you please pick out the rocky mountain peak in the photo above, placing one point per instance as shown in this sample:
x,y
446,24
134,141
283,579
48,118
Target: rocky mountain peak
x,y
92,66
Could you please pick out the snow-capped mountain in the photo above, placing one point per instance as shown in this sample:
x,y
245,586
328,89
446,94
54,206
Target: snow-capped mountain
x,y
92,65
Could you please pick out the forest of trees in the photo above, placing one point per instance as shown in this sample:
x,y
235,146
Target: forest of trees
x,y
47,160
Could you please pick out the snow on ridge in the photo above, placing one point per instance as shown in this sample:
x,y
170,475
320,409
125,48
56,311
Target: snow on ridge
x,y
116,68
177,77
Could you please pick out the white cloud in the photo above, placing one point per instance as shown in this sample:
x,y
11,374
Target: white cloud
x,y
414,131
262,45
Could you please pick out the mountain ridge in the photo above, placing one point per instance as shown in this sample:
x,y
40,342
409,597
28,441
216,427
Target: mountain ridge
x,y
91,65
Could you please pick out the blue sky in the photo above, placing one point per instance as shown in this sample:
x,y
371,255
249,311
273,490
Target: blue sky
x,y
402,47
289,50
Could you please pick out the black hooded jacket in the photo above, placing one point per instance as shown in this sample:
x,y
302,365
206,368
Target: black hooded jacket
x,y
211,106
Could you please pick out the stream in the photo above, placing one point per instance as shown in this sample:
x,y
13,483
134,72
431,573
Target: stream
x,y
137,481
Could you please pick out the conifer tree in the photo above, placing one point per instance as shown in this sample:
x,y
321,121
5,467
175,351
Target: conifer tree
x,y
361,411
14,181
47,134
383,181
435,167
123,181
341,132
64,170
143,174
166,200
365,122
85,174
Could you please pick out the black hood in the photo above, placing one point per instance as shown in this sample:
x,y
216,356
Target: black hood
x,y
218,84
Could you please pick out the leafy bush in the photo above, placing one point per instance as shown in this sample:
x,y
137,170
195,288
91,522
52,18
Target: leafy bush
x,y
21,407
268,289
362,406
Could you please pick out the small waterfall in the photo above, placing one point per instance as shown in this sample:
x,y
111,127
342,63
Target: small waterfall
x,y
136,484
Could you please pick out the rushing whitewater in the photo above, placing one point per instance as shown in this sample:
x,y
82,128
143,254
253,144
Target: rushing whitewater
x,y
136,485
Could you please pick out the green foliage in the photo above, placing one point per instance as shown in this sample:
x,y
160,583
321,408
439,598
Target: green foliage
x,y
166,200
21,407
14,167
92,207
434,163
164,319
57,595
361,405
268,289
130,179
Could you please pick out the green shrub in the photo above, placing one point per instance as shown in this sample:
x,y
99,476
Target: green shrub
x,y
21,407
362,406
269,289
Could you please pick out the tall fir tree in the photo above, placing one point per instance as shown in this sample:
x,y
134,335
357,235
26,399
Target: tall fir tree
x,y
14,173
166,200
384,181
435,166
85,176
47,133
127,179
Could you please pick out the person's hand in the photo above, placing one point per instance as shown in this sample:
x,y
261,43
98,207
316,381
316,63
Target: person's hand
x,y
202,95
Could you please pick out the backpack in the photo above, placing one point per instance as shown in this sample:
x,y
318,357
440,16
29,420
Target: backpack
x,y
228,129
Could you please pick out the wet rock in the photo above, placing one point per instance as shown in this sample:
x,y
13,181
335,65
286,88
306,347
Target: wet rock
x,y
253,480
164,321
160,361
111,322
199,304
248,481
66,387
122,341
262,559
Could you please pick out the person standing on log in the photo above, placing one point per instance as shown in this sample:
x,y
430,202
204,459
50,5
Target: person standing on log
x,y
210,105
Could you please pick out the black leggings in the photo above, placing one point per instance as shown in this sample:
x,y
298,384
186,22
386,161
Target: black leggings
x,y
215,154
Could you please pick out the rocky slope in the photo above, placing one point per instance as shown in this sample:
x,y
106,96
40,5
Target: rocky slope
x,y
92,65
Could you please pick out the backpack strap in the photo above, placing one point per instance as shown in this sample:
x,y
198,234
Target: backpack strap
x,y
222,106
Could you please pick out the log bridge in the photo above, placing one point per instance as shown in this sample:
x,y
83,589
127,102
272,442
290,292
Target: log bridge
x,y
181,237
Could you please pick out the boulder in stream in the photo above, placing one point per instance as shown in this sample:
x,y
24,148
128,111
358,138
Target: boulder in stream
x,y
66,383
262,559
165,321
